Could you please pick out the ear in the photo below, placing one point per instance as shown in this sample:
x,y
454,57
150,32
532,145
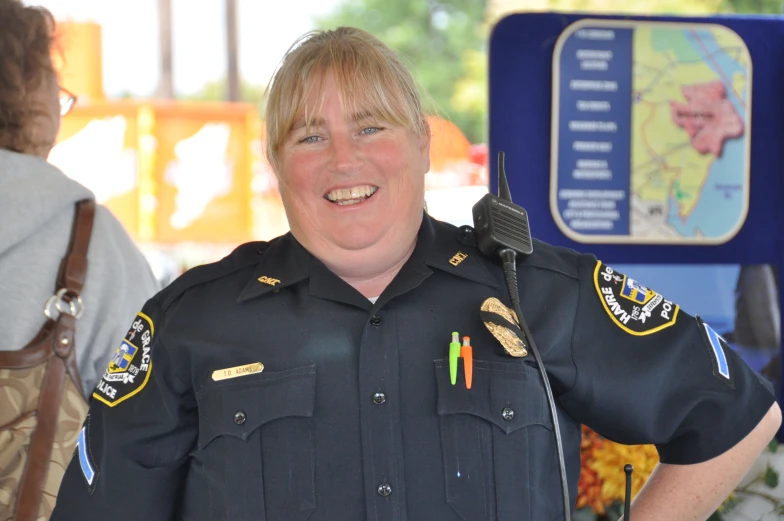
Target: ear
x,y
424,143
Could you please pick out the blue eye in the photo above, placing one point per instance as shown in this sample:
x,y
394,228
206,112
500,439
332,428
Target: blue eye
x,y
370,130
309,139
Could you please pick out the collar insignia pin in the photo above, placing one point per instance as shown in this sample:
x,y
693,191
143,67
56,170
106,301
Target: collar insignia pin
x,y
457,258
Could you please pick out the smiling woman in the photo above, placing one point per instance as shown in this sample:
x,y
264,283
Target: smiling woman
x,y
350,144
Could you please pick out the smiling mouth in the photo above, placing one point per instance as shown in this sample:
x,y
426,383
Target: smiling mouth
x,y
349,196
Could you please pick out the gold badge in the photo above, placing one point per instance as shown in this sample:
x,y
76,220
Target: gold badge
x,y
268,280
457,258
234,372
508,338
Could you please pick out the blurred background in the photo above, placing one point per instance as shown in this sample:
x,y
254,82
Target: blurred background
x,y
168,126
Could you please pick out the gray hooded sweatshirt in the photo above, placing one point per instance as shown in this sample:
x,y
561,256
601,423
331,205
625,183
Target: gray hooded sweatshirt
x,y
36,216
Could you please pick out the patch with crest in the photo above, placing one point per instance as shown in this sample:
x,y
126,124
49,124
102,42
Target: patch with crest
x,y
631,306
130,367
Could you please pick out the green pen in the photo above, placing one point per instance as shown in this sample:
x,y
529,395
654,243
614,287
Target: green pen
x,y
454,354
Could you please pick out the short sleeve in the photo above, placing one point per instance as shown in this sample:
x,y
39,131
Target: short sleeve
x,y
131,457
649,373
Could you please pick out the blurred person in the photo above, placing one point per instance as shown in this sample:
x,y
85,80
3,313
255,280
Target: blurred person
x,y
758,317
308,377
60,254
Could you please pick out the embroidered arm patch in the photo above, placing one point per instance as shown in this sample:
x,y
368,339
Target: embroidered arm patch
x,y
631,306
717,349
86,463
130,367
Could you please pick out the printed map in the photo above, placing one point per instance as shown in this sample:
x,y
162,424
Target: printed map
x,y
689,166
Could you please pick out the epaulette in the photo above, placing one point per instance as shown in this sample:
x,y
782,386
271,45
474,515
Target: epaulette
x,y
545,256
248,254
553,258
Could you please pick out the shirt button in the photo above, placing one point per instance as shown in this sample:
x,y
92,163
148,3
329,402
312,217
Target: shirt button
x,y
379,398
384,490
507,414
239,417
375,320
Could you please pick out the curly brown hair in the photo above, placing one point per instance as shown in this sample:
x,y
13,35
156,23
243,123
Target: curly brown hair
x,y
26,41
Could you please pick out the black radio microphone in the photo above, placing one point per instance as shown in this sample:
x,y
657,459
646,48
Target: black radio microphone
x,y
499,223
502,229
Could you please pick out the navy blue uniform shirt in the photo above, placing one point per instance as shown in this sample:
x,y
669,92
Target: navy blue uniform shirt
x,y
354,417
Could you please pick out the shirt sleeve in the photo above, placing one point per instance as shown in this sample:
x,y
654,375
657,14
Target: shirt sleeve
x,y
649,373
132,455
119,282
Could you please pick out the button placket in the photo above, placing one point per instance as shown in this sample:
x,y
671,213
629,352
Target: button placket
x,y
380,419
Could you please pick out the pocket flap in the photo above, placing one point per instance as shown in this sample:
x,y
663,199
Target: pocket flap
x,y
508,395
239,408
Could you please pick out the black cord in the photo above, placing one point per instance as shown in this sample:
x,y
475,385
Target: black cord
x,y
508,257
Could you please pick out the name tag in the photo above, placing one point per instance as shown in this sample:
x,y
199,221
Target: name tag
x,y
234,372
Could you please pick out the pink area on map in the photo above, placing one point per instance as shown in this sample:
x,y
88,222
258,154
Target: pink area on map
x,y
708,117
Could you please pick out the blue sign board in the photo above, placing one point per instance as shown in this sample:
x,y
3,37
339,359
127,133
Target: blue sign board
x,y
656,143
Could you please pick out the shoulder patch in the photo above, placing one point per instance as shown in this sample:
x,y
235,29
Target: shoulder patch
x,y
631,306
89,470
130,367
717,350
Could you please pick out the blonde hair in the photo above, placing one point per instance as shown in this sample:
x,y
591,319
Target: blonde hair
x,y
369,75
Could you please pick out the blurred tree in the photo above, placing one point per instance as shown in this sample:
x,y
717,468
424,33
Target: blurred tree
x,y
216,91
500,7
442,41
754,6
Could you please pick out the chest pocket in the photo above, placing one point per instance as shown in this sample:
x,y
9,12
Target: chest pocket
x,y
500,460
255,454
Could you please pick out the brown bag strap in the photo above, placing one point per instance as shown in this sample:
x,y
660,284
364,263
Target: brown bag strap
x,y
72,274
73,271
74,266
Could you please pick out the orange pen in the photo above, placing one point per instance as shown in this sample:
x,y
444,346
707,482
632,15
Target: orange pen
x,y
467,354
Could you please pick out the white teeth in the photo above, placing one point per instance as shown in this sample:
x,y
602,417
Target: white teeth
x,y
353,195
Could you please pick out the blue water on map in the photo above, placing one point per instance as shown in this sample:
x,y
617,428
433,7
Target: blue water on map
x,y
720,205
702,40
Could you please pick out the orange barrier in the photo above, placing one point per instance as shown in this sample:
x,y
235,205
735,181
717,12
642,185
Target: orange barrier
x,y
174,171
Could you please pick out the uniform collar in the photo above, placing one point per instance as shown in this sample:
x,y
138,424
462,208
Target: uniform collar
x,y
285,262
454,251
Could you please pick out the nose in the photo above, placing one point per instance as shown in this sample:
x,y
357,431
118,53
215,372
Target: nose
x,y
345,155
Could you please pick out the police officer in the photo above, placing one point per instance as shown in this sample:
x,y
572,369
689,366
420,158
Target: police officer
x,y
309,377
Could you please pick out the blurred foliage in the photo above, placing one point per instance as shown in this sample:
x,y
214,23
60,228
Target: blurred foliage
x,y
444,43
218,91
753,6
642,6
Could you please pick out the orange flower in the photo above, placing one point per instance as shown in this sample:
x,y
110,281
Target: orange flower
x,y
589,488
602,479
609,461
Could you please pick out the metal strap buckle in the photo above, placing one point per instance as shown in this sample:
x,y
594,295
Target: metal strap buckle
x,y
57,303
